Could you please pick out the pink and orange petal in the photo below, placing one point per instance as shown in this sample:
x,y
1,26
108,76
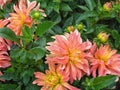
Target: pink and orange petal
x,y
68,51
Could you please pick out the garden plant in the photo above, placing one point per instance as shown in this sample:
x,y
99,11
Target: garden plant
x,y
59,44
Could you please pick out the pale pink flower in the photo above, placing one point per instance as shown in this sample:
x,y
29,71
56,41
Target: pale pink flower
x,y
53,79
69,51
21,16
104,61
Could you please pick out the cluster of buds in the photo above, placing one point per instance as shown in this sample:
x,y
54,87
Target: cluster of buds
x,y
80,27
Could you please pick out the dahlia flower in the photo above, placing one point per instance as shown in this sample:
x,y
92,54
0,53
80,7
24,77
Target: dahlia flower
x,y
5,43
3,23
69,51
21,15
4,47
53,79
104,61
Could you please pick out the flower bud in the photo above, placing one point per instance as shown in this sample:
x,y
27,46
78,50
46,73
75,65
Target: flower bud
x,y
70,28
103,37
36,15
107,6
80,26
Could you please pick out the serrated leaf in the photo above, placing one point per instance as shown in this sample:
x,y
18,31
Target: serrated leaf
x,y
8,34
103,81
43,27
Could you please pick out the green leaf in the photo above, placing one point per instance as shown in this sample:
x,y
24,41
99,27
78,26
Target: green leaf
x,y
115,34
6,86
56,18
36,53
103,81
56,7
65,7
41,42
90,30
68,22
8,34
26,75
43,27
83,8
32,87
85,15
91,4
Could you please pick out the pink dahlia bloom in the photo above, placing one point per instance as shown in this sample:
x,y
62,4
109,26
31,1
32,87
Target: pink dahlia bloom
x,y
4,47
3,23
21,15
104,61
53,79
69,51
5,44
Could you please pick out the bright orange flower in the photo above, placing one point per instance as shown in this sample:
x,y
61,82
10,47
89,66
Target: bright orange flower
x,y
69,51
21,16
105,61
54,79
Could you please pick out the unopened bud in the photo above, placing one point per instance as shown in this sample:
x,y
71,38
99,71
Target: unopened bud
x,y
70,28
107,6
36,15
103,37
80,26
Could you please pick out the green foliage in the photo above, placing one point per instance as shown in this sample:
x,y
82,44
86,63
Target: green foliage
x,y
28,53
8,34
43,27
99,83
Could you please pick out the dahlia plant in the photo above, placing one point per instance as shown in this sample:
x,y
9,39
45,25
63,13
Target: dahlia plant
x,y
59,45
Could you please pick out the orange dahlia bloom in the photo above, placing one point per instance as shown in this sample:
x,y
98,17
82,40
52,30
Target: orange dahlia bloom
x,y
54,79
21,16
104,61
3,23
4,47
69,51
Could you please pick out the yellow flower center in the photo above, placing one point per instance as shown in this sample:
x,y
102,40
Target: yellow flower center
x,y
74,56
106,55
53,79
